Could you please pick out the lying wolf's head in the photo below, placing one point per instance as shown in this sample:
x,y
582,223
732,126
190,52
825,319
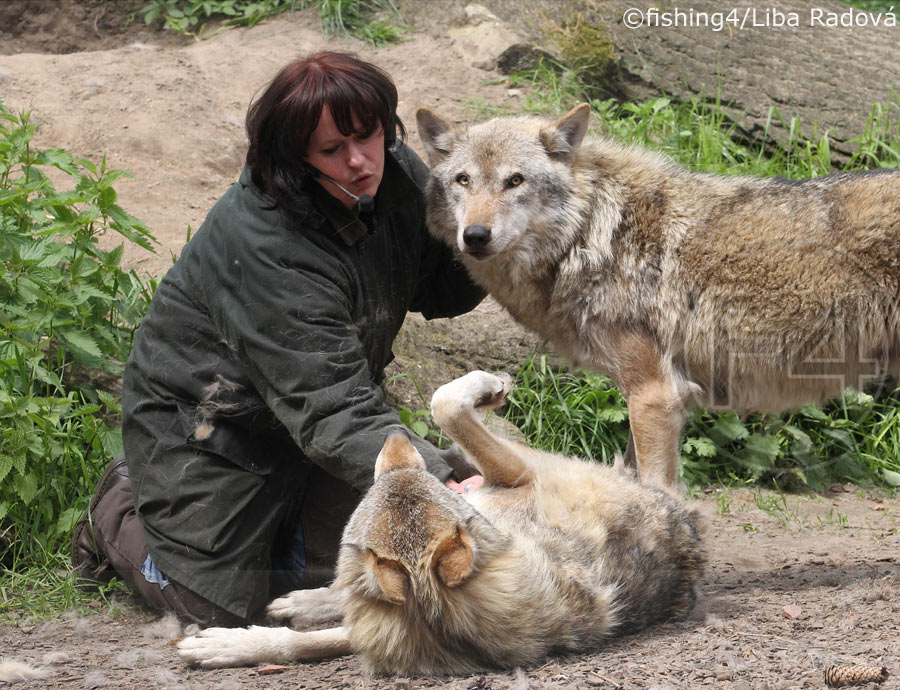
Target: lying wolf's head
x,y
411,537
502,184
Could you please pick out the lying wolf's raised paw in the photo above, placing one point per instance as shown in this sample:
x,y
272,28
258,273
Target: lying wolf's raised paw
x,y
475,390
490,389
224,647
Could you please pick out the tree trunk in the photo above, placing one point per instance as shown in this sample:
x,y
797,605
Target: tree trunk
x,y
755,56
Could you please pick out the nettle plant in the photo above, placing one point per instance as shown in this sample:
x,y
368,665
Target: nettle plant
x,y
68,312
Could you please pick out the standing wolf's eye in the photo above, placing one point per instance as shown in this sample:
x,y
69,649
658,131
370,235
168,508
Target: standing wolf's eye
x,y
515,180
462,179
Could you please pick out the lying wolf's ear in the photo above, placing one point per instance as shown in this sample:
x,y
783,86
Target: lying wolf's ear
x,y
563,137
390,577
437,135
397,451
454,559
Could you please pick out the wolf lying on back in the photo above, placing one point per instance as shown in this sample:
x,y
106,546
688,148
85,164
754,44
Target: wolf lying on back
x,y
734,293
551,554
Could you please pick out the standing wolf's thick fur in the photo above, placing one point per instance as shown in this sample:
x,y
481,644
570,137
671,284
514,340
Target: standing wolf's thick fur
x,y
735,293
551,554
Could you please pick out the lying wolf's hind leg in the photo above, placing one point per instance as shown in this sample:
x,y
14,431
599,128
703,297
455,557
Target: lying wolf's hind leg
x,y
455,407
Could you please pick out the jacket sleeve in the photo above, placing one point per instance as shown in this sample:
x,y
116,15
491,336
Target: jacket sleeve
x,y
444,286
294,334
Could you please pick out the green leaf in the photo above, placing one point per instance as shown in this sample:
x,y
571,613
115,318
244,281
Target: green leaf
x,y
58,158
6,464
111,401
83,266
813,412
802,441
26,487
763,448
730,427
111,441
29,291
420,429
612,414
130,227
68,519
701,446
891,477
32,251
80,342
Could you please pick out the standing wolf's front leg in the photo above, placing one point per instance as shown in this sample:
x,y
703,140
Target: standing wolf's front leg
x,y
655,407
455,406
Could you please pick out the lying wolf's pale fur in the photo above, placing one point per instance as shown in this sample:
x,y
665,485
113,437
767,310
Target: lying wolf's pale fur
x,y
736,293
552,554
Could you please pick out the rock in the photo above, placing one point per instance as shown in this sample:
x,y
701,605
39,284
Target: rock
x,y
483,38
523,56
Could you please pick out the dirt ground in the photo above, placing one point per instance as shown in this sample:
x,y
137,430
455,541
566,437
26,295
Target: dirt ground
x,y
794,583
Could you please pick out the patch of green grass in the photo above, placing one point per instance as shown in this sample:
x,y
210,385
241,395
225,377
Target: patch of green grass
x,y
41,590
551,87
587,52
189,17
702,137
883,6
835,518
358,18
570,413
777,506
700,134
856,439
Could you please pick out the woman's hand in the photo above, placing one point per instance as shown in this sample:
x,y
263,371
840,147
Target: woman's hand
x,y
466,485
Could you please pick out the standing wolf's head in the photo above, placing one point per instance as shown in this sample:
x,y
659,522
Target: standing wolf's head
x,y
505,185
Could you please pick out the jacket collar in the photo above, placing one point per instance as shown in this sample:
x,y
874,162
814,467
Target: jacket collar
x,y
395,190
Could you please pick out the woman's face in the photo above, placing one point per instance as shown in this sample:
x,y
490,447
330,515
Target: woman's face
x,y
356,163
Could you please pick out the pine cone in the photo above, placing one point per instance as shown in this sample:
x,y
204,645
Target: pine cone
x,y
840,676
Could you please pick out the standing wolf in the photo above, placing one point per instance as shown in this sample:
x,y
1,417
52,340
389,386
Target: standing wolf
x,y
736,293
551,554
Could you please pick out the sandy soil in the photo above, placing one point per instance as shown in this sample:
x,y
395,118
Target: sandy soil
x,y
170,111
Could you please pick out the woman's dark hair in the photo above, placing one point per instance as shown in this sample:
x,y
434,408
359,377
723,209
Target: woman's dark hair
x,y
281,121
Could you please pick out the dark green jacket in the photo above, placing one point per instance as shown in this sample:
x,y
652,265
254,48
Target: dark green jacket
x,y
261,354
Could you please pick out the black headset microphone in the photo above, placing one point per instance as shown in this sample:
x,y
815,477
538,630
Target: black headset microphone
x,y
365,204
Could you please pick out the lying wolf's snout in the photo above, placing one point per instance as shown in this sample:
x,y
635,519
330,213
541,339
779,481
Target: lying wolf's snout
x,y
397,451
476,236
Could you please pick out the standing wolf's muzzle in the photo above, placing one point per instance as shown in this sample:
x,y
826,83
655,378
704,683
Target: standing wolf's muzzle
x,y
476,238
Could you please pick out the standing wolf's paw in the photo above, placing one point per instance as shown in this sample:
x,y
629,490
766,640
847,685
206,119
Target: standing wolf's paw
x,y
224,647
475,390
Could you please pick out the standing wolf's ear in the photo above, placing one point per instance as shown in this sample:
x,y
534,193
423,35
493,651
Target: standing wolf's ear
x,y
437,135
563,137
